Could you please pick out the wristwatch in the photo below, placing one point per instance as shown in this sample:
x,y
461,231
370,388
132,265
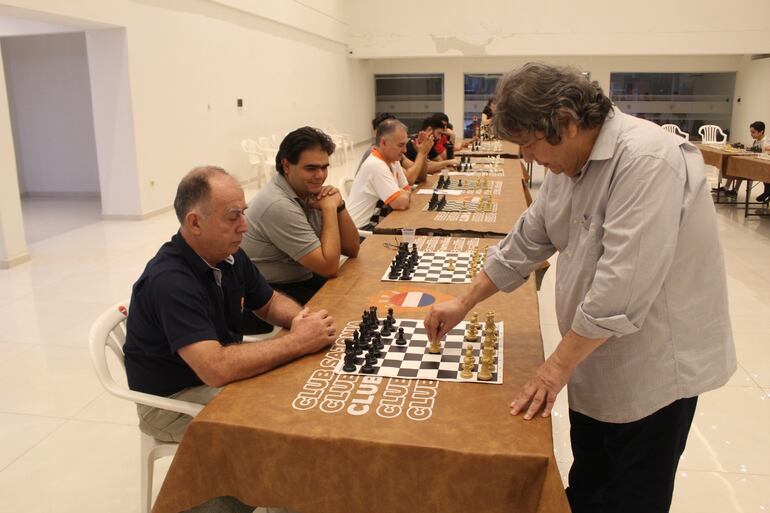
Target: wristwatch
x,y
341,207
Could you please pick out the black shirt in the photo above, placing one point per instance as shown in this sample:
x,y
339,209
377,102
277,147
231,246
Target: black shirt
x,y
177,302
411,149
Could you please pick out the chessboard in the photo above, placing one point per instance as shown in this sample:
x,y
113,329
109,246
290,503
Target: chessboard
x,y
440,203
402,351
475,186
435,267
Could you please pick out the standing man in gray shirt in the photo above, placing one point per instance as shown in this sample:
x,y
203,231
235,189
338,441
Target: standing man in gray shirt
x,y
297,226
641,295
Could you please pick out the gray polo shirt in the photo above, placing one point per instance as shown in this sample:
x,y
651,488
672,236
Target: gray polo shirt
x,y
639,262
281,231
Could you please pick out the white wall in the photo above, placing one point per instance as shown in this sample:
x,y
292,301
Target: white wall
x,y
751,86
50,102
600,67
404,28
13,247
188,62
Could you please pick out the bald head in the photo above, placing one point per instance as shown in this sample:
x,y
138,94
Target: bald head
x,y
194,190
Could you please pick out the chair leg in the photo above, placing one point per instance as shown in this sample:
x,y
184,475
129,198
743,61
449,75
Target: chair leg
x,y
147,464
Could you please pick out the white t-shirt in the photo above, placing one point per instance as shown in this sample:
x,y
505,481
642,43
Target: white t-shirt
x,y
376,180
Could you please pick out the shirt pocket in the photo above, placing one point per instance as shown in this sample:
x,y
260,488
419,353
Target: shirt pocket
x,y
589,247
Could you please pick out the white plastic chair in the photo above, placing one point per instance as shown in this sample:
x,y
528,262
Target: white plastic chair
x,y
346,183
109,332
257,160
676,131
708,134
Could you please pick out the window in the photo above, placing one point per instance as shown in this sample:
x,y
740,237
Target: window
x,y
688,100
479,88
411,98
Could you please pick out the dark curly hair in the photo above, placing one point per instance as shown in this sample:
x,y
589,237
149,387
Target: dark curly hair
x,y
299,140
544,98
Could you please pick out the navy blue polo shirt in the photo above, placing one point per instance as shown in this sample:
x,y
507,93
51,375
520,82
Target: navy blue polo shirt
x,y
177,301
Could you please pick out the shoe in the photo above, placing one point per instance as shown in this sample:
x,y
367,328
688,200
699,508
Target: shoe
x,y
763,198
733,193
718,189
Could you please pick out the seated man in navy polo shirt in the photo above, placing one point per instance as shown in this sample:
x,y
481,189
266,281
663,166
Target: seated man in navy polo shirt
x,y
184,337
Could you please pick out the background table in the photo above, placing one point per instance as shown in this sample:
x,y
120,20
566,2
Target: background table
x,y
305,438
751,169
508,150
510,204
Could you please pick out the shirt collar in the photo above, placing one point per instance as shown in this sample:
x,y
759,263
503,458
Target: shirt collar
x,y
281,182
196,262
606,141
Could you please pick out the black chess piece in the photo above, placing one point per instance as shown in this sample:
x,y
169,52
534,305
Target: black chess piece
x,y
375,320
349,361
393,275
400,340
459,183
368,367
405,273
377,341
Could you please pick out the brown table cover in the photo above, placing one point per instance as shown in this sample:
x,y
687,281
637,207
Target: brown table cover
x,y
719,156
510,204
305,438
749,168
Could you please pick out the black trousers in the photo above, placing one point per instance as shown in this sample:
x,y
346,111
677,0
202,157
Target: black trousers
x,y
301,292
627,468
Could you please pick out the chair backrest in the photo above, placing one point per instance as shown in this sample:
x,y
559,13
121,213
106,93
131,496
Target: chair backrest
x,y
252,151
265,143
109,331
346,183
709,134
676,131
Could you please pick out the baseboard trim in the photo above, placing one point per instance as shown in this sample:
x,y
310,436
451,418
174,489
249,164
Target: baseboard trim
x,y
137,217
13,262
61,195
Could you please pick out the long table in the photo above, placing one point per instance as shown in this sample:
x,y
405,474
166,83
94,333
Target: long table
x,y
510,204
751,169
719,157
507,150
306,438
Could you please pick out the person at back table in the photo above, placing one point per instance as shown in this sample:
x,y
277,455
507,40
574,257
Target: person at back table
x,y
298,227
380,178
184,337
415,170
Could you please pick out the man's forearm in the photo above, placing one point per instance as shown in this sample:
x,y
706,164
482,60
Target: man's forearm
x,y
349,238
330,237
279,311
573,349
481,288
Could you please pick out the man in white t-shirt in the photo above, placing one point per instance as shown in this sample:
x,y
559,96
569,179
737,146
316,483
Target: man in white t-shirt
x,y
380,179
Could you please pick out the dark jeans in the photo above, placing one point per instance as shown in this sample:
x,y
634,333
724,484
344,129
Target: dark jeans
x,y
627,468
301,292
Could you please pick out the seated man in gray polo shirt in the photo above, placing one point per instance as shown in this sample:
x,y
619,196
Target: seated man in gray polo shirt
x,y
299,227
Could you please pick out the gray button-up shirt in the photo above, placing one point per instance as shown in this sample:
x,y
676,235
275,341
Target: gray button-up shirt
x,y
639,262
282,229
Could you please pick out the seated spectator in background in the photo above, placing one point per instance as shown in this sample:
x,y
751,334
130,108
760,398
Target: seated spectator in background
x,y
449,138
297,226
431,126
380,178
415,170
487,113
759,144
184,332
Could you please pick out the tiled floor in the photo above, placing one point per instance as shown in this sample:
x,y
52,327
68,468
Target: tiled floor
x,y
68,446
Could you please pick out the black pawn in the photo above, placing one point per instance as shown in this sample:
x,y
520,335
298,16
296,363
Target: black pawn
x,y
400,340
368,367
459,183
405,274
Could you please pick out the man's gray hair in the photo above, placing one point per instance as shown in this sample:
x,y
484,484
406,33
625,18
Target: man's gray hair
x,y
544,98
387,127
194,190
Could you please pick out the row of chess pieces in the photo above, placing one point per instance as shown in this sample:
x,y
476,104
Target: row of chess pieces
x,y
445,182
488,351
368,337
403,264
474,266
